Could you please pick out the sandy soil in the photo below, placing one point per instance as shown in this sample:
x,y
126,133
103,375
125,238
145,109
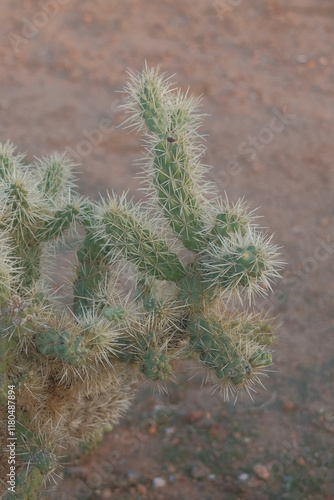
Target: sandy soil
x,y
252,61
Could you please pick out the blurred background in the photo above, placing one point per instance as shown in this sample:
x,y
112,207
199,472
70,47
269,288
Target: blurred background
x,y
265,69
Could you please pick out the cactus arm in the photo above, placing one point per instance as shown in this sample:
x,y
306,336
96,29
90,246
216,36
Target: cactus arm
x,y
7,268
92,268
9,160
56,225
242,262
55,177
130,235
28,484
174,155
176,193
31,213
234,360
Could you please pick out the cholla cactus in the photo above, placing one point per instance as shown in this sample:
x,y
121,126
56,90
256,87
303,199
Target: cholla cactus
x,y
137,306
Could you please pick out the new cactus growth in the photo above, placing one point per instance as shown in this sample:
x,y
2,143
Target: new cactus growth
x,y
151,284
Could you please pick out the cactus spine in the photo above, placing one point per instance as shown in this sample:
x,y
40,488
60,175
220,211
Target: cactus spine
x,y
136,304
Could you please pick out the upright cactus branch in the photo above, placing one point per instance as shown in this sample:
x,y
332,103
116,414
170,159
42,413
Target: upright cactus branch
x,y
151,284
175,172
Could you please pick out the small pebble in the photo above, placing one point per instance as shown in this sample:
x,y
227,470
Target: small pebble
x,y
302,59
262,471
133,476
158,409
212,477
87,18
106,494
323,61
214,431
193,416
243,477
142,489
169,431
301,461
288,405
158,482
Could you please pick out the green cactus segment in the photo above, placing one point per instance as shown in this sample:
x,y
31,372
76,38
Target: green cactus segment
x,y
156,366
260,359
5,292
260,331
242,262
29,249
226,224
217,351
44,460
245,262
236,268
194,292
87,215
5,381
8,348
131,238
129,352
34,209
26,208
6,269
177,194
175,165
152,305
114,313
55,175
29,258
152,109
68,348
208,338
18,196
7,160
59,223
182,114
24,435
29,446
33,453
92,266
31,221
27,484
18,317
53,179
91,271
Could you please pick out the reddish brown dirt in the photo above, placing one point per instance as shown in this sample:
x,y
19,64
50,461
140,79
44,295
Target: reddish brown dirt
x,y
250,60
